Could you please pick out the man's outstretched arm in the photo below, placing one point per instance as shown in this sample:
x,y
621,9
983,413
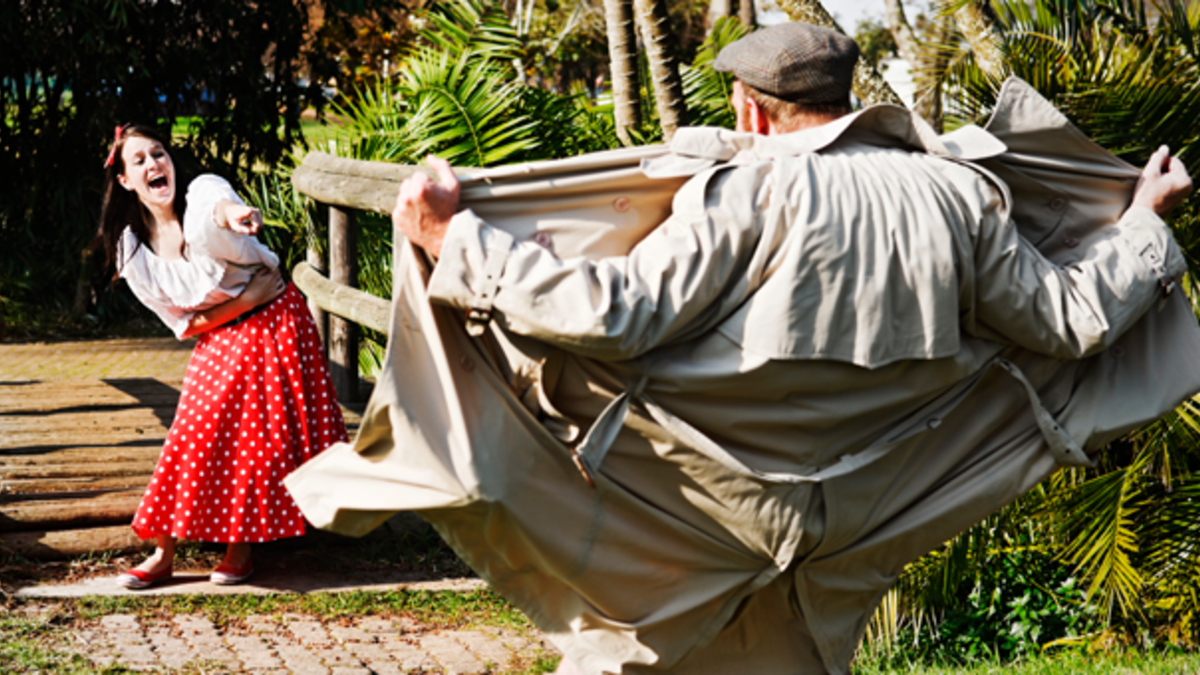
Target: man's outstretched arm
x,y
680,279
1076,310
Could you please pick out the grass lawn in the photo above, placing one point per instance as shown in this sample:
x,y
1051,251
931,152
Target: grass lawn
x,y
40,636
1067,663
319,134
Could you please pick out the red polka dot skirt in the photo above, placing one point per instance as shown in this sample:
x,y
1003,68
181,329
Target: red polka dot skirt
x,y
257,402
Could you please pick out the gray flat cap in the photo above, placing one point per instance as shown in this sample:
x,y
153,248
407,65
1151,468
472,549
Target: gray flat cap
x,y
793,61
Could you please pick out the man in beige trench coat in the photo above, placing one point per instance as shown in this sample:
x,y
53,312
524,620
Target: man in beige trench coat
x,y
712,445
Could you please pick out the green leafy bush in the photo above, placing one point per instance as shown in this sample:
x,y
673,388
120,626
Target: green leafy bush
x,y
1019,601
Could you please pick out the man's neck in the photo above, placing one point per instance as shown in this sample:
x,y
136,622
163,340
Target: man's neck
x,y
801,123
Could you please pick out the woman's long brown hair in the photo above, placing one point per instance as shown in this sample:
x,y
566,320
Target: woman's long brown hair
x,y
121,208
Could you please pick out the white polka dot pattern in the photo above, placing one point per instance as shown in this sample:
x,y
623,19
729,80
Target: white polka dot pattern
x,y
257,402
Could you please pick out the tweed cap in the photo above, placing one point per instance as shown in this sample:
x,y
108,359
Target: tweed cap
x,y
793,61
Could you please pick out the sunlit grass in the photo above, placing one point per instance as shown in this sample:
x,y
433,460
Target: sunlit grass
x,y
319,134
34,644
1065,663
436,609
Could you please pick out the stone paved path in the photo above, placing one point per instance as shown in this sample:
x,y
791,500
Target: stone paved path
x,y
300,644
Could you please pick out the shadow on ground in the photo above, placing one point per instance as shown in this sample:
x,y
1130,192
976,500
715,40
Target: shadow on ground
x,y
404,550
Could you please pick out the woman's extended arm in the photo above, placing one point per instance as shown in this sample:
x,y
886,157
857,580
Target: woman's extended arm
x,y
263,287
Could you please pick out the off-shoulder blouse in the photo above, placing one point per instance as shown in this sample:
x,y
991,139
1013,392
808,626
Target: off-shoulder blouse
x,y
218,265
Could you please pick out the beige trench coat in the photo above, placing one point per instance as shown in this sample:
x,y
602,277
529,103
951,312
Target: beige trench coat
x,y
694,556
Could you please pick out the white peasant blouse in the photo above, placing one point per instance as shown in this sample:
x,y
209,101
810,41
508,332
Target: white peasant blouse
x,y
218,266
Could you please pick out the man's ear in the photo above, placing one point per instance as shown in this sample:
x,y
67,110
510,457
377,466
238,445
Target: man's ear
x,y
759,122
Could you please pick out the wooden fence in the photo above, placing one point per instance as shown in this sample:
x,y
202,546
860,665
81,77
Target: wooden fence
x,y
344,186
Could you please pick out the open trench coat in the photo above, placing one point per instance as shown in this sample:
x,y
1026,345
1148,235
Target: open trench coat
x,y
642,545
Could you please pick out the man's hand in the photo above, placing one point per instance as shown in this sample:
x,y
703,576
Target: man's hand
x,y
1164,183
423,207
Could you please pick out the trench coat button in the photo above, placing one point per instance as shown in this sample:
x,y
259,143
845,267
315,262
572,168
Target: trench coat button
x,y
1058,204
1117,351
466,362
934,423
621,204
542,239
1071,242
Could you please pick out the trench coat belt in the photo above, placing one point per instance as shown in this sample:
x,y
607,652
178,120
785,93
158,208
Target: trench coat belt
x,y
589,453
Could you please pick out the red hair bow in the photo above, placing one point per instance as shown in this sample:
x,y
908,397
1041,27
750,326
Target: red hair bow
x,y
112,152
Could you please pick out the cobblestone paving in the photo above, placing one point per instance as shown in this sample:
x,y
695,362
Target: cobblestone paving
x,y
160,358
304,645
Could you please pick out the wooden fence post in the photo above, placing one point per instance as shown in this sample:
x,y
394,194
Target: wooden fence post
x,y
343,334
317,262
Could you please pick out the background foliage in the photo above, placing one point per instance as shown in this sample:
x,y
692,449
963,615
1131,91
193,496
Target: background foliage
x,y
72,70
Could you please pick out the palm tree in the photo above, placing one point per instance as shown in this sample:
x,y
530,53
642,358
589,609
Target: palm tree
x,y
622,50
664,68
926,62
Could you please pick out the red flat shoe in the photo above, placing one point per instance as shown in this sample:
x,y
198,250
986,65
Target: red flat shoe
x,y
136,579
227,575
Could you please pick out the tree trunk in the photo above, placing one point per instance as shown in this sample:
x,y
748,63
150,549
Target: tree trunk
x,y
747,14
652,18
926,64
902,32
622,54
869,85
716,10
986,42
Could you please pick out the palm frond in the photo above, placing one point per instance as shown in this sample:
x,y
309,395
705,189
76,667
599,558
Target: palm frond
x,y
375,125
478,27
1100,515
706,90
464,110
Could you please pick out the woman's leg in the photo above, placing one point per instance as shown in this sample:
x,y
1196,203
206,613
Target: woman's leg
x,y
153,570
236,555
163,557
236,567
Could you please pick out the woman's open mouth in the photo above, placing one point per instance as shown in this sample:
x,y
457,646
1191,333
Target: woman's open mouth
x,y
158,183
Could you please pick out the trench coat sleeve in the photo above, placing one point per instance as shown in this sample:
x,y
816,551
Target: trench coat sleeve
x,y
1077,309
678,281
